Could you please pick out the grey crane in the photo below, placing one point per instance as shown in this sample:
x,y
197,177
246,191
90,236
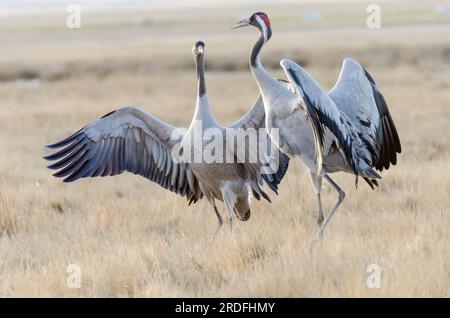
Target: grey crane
x,y
348,129
129,139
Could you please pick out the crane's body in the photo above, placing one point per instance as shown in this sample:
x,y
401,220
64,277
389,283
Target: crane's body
x,y
281,106
348,129
223,181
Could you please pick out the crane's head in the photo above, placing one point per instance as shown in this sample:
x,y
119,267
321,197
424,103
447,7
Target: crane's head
x,y
198,49
260,20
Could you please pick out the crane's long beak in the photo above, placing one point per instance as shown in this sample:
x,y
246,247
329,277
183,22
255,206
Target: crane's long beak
x,y
240,24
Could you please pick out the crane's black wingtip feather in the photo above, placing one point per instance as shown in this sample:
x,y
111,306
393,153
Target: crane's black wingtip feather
x,y
106,115
64,142
67,140
56,174
73,177
390,141
369,77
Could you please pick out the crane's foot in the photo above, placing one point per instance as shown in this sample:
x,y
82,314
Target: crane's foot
x,y
311,245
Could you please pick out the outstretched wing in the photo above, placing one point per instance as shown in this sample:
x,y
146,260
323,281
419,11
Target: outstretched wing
x,y
126,139
322,111
356,94
255,119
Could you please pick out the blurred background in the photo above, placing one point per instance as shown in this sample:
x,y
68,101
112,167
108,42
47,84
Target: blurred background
x,y
150,37
55,79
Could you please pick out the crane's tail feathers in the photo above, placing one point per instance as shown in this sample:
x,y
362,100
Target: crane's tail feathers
x,y
258,192
366,171
272,186
274,179
371,182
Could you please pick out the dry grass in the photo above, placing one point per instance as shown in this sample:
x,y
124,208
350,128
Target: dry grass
x,y
132,238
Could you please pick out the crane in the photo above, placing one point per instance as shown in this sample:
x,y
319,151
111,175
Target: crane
x,y
129,139
348,129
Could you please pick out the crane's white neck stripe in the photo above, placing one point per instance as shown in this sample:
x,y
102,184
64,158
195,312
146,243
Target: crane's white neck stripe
x,y
263,27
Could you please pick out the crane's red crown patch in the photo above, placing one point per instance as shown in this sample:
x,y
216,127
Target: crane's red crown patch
x,y
265,19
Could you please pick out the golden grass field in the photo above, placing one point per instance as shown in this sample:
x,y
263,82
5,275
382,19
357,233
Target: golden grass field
x,y
132,238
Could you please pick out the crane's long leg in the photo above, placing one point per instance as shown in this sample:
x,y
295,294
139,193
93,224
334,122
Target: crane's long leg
x,y
219,219
229,200
229,208
341,196
317,183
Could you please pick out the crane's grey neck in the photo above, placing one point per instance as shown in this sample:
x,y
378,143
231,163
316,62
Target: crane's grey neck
x,y
203,110
254,57
200,75
264,80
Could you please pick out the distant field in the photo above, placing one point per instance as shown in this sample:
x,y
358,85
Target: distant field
x,y
132,238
